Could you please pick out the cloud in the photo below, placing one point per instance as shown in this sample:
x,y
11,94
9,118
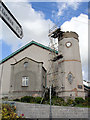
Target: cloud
x,y
80,25
34,25
62,6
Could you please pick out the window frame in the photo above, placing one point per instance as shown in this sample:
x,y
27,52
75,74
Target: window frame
x,y
25,80
25,64
80,87
70,77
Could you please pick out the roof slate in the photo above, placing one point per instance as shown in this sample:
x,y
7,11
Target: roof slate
x,y
24,47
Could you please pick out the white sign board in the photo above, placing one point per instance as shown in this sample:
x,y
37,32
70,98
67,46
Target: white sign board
x,y
10,20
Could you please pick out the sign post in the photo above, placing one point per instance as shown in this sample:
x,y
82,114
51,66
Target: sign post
x,y
50,104
10,20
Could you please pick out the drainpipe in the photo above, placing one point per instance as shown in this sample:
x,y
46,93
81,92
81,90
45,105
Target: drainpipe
x,y
50,105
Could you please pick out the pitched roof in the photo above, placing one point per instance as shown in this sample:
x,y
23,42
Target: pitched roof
x,y
86,87
24,47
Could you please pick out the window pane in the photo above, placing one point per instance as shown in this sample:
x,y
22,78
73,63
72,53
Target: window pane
x,y
25,81
80,86
25,64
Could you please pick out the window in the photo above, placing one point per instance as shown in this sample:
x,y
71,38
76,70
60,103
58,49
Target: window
x,y
70,77
25,81
25,64
80,86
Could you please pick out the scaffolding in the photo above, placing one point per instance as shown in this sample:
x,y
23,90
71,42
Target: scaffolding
x,y
53,35
52,74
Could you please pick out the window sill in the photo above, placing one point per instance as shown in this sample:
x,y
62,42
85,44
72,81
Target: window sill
x,y
24,86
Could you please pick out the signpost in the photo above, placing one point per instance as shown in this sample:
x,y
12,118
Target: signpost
x,y
10,20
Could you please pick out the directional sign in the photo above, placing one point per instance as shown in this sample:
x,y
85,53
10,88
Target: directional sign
x,y
10,20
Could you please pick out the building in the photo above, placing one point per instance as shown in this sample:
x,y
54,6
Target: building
x,y
70,80
86,88
33,52
25,80
32,68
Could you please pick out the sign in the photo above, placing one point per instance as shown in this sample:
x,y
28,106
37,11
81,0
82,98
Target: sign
x,y
10,20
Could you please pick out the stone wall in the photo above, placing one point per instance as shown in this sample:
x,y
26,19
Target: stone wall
x,y
43,111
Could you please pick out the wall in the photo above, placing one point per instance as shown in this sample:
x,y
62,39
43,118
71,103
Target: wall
x,y
34,52
71,63
33,71
43,111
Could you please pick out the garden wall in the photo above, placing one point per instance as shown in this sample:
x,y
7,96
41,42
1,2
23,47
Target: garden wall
x,y
44,111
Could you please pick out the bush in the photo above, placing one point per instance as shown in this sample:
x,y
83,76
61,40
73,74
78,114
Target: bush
x,y
46,101
70,102
8,112
28,99
79,100
87,100
18,100
38,99
58,101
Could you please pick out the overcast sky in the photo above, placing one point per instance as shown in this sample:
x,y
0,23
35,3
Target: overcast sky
x,y
36,18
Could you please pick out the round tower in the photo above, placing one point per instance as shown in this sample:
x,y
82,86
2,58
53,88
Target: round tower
x,y
70,82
